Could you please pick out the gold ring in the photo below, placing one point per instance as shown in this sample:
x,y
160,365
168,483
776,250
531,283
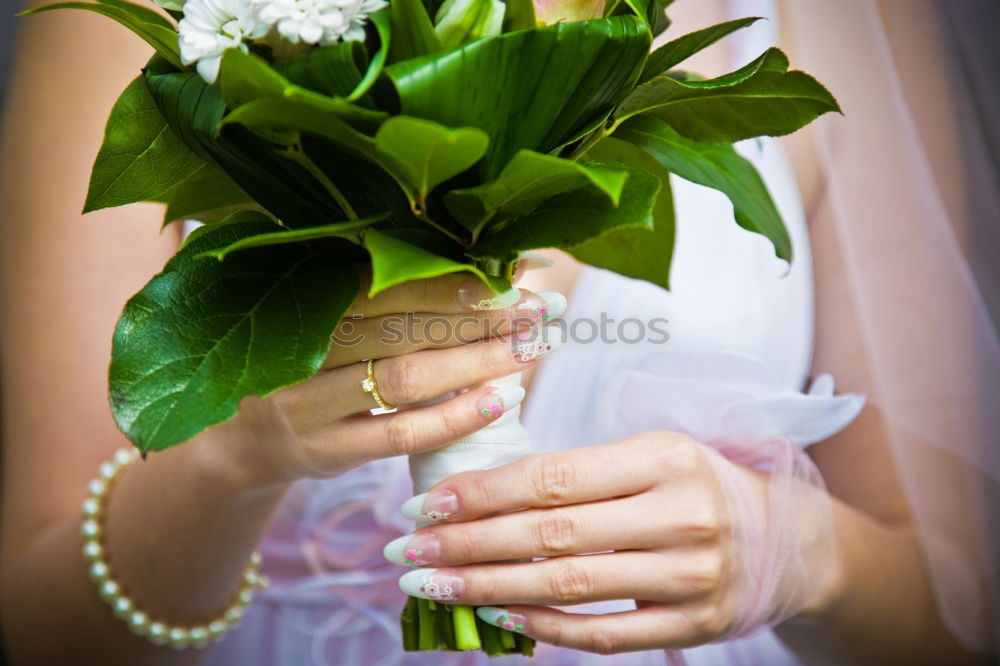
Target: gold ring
x,y
369,385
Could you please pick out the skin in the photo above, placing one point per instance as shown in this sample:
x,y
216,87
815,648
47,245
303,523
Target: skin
x,y
182,525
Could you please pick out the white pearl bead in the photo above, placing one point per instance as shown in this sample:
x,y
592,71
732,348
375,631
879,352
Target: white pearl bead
x,y
123,457
158,633
122,607
107,470
245,597
109,590
263,582
90,529
92,551
217,629
179,638
99,571
251,578
255,559
199,636
91,507
138,623
97,488
234,614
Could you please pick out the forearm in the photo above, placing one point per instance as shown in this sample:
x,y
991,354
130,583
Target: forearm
x,y
880,610
179,530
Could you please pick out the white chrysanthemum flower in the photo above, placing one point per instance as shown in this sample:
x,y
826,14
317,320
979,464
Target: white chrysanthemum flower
x,y
209,27
321,22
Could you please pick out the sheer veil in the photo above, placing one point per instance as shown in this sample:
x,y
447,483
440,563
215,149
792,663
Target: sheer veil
x,y
925,330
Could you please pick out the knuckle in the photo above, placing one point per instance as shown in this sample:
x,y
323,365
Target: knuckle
x,y
571,583
605,642
683,454
556,534
707,622
704,525
706,575
553,479
401,434
402,381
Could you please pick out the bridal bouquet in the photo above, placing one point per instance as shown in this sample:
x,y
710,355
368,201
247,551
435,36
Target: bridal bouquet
x,y
421,136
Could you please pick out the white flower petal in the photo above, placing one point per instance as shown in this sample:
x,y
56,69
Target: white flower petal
x,y
208,68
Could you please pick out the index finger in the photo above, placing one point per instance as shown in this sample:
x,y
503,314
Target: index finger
x,y
586,474
454,293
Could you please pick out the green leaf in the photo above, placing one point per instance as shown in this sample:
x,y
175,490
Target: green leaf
x,y
528,180
208,195
718,166
158,33
412,31
677,51
760,99
574,217
519,15
421,154
141,157
202,335
380,20
534,89
637,252
394,261
462,21
140,13
333,71
351,230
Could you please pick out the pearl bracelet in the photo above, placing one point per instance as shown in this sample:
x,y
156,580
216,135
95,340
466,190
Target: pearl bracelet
x,y
123,607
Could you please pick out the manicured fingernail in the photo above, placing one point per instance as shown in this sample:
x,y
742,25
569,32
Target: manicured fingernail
x,y
556,303
534,344
499,617
437,505
413,550
493,406
530,261
436,584
474,295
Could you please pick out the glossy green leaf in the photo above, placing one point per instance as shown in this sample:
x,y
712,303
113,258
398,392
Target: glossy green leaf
x,y
677,51
718,166
637,252
202,335
528,180
395,260
141,157
422,154
760,99
412,31
534,89
207,196
380,20
462,21
351,230
333,71
520,15
140,13
157,32
574,217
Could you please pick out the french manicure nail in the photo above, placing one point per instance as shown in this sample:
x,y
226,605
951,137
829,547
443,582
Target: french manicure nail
x,y
530,261
555,302
499,617
493,406
474,295
434,506
435,584
413,550
535,344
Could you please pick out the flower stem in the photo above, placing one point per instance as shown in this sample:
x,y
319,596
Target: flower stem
x,y
466,635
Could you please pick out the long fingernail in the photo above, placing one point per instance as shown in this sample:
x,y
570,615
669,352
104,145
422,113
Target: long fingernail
x,y
436,584
555,302
413,550
493,406
530,261
499,617
535,344
474,295
437,505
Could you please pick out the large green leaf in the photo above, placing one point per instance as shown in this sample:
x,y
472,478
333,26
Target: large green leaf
x,y
203,334
412,31
350,230
422,154
380,20
677,51
760,99
141,157
208,195
528,180
395,259
333,70
157,31
574,217
718,166
637,252
534,89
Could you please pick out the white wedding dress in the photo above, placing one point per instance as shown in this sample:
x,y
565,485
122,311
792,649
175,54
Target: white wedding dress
x,y
740,326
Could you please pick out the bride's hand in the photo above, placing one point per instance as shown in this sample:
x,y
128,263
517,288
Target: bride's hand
x,y
654,499
428,338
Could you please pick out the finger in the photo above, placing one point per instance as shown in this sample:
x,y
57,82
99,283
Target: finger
x,y
667,577
420,429
407,332
447,294
653,627
414,378
580,475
